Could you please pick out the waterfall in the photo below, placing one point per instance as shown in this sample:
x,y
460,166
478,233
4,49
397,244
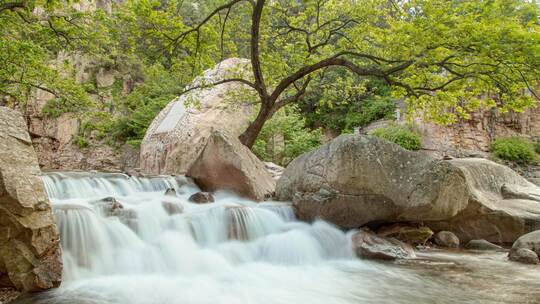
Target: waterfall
x,y
114,224
125,242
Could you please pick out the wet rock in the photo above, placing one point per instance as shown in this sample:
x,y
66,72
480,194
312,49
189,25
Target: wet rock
x,y
201,198
110,206
408,234
30,255
482,245
446,239
226,163
530,241
178,134
170,192
355,180
172,208
370,246
524,255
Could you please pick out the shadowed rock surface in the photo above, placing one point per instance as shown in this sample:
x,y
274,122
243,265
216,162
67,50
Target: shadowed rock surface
x,y
30,257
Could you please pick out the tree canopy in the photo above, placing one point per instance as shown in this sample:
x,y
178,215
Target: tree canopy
x,y
444,59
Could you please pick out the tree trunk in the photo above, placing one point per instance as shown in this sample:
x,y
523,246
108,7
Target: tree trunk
x,y
249,136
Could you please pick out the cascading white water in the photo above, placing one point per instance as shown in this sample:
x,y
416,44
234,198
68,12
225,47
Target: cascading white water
x,y
124,241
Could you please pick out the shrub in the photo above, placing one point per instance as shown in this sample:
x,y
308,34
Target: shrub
x,y
516,149
400,135
81,142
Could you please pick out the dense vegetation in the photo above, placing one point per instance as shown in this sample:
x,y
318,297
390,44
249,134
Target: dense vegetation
x,y
515,148
332,64
400,135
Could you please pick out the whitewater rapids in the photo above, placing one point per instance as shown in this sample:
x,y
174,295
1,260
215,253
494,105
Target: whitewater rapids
x,y
125,242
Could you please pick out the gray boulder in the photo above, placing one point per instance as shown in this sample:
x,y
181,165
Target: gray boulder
x,y
356,180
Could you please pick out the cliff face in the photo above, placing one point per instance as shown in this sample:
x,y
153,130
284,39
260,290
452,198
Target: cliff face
x,y
54,138
476,134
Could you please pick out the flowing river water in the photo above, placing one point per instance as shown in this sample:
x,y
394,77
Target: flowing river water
x,y
125,242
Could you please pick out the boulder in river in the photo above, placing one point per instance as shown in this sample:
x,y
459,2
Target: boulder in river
x,y
30,256
370,246
356,180
179,132
524,255
530,241
446,239
227,164
482,245
201,198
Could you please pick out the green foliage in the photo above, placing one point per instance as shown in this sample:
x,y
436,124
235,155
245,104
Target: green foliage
x,y
81,142
400,135
515,148
284,137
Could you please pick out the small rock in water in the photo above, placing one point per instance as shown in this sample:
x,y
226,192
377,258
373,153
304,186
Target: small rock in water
x,y
111,206
446,239
170,192
482,245
524,255
172,208
368,245
202,198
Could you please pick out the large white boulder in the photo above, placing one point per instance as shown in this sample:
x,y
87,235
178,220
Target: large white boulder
x,y
178,134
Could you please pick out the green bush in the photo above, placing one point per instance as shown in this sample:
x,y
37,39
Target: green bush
x,y
81,142
400,135
516,149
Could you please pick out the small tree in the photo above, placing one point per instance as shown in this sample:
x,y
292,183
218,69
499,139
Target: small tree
x,y
447,58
